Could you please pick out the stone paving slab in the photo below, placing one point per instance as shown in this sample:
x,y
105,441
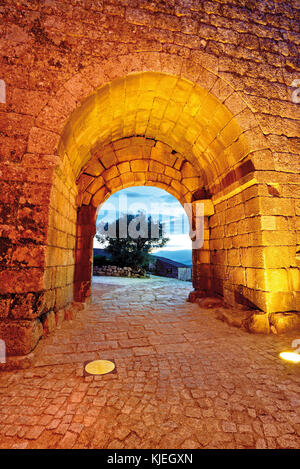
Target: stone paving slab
x,y
183,379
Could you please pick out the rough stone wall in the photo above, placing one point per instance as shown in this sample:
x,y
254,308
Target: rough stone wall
x,y
253,248
61,243
86,229
55,53
116,271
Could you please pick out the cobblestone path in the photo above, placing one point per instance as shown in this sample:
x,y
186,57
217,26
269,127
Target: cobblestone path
x,y
183,379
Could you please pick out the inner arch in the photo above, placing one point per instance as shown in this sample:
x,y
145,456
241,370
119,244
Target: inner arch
x,y
137,161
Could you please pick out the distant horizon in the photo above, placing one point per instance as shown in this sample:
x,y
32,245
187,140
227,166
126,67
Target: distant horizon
x,y
153,201
184,256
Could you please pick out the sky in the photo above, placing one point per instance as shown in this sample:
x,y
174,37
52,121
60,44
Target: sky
x,y
155,202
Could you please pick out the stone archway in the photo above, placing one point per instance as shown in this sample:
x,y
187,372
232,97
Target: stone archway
x,y
221,154
203,153
187,137
131,161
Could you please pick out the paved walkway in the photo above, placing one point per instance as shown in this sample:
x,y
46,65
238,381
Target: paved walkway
x,y
184,379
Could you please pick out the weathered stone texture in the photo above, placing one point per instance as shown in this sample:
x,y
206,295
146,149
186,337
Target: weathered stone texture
x,y
169,390
194,97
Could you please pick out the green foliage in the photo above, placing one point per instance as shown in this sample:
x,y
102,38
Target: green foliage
x,y
143,235
99,261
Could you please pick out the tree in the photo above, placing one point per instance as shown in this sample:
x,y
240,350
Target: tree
x,y
131,238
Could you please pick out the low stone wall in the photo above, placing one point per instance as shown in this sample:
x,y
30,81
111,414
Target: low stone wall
x,y
114,271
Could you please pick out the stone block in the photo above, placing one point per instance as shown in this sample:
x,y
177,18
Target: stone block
x,y
110,173
162,153
123,167
191,183
21,281
279,256
173,173
208,207
49,299
127,179
22,362
28,102
156,167
237,275
253,298
232,316
64,295
59,317
194,295
5,301
278,302
256,278
114,184
235,213
139,178
269,222
203,256
234,258
42,141
241,240
100,196
231,229
277,280
27,305
258,323
284,322
107,157
217,244
139,165
210,302
20,337
96,184
28,256
93,167
252,208
275,206
129,153
49,323
187,170
267,257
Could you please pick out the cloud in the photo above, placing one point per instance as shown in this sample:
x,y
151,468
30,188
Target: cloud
x,y
177,242
133,196
156,202
168,198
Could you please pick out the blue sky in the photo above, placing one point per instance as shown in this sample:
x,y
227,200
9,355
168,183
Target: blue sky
x,y
155,202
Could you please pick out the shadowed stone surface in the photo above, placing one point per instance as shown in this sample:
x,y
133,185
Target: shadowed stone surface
x,y
184,379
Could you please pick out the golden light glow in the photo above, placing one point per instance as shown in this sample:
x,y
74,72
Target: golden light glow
x,y
292,357
99,367
158,106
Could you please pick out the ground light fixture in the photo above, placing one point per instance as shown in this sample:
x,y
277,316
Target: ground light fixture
x,y
292,357
99,367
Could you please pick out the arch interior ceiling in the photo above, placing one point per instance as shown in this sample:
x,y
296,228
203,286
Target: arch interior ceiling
x,y
181,126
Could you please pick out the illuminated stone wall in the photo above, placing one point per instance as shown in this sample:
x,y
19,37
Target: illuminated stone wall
x,y
253,249
201,94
